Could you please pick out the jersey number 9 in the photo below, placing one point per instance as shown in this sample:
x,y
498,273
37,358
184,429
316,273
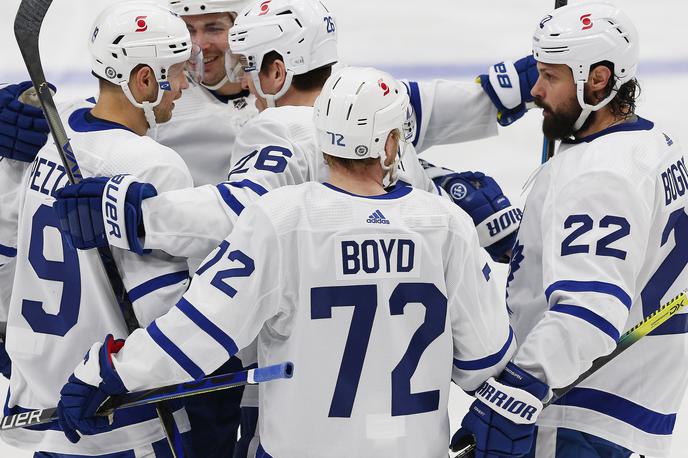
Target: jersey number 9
x,y
65,272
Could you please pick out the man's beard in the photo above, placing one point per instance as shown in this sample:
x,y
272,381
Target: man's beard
x,y
559,125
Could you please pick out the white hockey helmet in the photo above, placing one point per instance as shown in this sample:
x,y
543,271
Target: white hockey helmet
x,y
191,7
303,32
583,34
128,34
355,112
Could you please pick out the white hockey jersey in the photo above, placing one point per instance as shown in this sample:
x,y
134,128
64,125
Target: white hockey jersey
x,y
203,130
278,148
61,300
605,236
378,301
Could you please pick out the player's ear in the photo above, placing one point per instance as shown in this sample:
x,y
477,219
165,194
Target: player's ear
x,y
143,84
599,79
392,147
278,74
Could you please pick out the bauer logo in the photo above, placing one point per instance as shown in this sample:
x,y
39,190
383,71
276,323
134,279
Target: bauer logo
x,y
545,20
141,24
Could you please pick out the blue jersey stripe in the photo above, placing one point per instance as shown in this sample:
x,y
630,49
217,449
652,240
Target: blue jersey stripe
x,y
230,200
207,326
174,351
261,453
620,408
400,189
678,324
8,251
414,96
487,361
590,287
589,316
157,283
255,187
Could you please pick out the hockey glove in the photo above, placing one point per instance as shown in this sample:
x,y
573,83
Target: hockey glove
x,y
23,128
93,382
102,210
5,362
479,195
508,85
502,418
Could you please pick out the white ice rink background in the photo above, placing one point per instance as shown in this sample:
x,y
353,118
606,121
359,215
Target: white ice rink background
x,y
452,39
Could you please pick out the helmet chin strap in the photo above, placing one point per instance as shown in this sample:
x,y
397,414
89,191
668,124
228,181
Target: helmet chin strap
x,y
391,176
272,98
147,108
587,108
215,87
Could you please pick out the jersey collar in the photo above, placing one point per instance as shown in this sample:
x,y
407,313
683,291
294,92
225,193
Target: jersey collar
x,y
83,121
400,189
637,124
227,98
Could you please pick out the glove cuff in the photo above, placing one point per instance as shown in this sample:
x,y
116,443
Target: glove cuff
x,y
121,217
515,404
505,82
499,225
519,378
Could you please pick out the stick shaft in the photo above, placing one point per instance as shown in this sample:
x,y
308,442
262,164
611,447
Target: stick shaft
x,y
166,393
27,28
630,337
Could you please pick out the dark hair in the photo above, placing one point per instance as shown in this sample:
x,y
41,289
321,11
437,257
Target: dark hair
x,y
103,83
624,103
312,80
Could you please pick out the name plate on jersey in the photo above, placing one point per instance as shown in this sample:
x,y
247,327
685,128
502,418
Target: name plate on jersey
x,y
375,256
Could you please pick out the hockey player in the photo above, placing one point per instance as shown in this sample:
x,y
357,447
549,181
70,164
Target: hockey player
x,y
203,130
61,299
406,262
23,131
602,245
212,110
277,147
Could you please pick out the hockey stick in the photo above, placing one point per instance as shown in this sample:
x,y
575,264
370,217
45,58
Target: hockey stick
x,y
649,324
547,144
27,27
165,393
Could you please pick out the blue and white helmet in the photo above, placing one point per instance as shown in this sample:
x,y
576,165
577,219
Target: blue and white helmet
x,y
128,34
582,34
303,32
192,7
357,110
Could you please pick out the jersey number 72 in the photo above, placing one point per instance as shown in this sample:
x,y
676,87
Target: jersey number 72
x,y
363,298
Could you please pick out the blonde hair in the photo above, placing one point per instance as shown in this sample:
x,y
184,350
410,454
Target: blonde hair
x,y
357,164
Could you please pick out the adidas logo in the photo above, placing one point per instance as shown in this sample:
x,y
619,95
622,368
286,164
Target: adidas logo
x,y
377,218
